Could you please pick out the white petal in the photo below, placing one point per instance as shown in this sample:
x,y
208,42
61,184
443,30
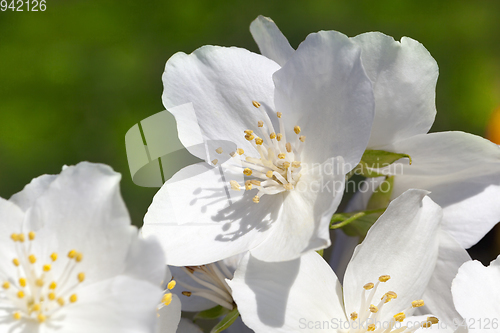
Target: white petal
x,y
437,297
271,41
198,223
476,292
462,171
403,243
324,89
187,326
169,316
221,84
118,305
32,191
404,77
303,224
82,210
282,297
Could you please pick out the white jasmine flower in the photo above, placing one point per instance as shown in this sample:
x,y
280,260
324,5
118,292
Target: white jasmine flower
x,y
71,262
273,190
384,282
461,170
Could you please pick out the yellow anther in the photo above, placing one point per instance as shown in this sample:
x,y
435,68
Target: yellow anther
x,y
384,278
256,199
279,136
22,282
41,318
389,296
53,285
240,151
15,261
249,137
234,185
259,141
79,257
399,317
6,285
281,156
81,277
20,294
39,282
32,258
296,164
186,293
288,147
272,135
215,161
269,174
53,256
260,123
73,298
256,104
288,187
296,129
254,182
16,315
302,138
52,296
219,150
248,185
72,254
60,301
46,268
373,308
14,237
354,316
21,238
371,328
248,132
417,303
31,235
167,299
279,114
171,285
35,307
247,172
286,165
432,320
368,286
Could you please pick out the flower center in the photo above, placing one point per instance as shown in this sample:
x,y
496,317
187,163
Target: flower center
x,y
277,168
369,320
213,279
36,293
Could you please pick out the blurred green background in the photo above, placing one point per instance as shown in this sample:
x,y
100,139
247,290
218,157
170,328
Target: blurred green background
x,y
75,78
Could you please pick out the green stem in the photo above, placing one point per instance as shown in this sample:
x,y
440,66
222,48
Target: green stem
x,y
355,217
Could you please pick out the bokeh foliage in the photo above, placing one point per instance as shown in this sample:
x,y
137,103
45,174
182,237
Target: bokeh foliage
x,y
75,78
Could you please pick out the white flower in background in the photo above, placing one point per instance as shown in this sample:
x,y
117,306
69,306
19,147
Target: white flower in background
x,y
476,295
461,170
384,282
71,262
288,131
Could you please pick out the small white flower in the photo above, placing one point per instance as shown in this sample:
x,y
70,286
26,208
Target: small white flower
x,y
384,282
275,142
71,262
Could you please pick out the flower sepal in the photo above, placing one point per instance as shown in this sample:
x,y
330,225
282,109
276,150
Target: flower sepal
x,y
227,321
212,313
374,160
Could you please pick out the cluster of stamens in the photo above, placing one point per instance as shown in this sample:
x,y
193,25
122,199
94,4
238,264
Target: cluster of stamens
x,y
213,279
277,169
369,314
35,293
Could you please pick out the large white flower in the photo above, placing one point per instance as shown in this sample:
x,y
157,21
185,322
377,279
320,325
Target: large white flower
x,y
278,128
385,278
461,170
71,262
